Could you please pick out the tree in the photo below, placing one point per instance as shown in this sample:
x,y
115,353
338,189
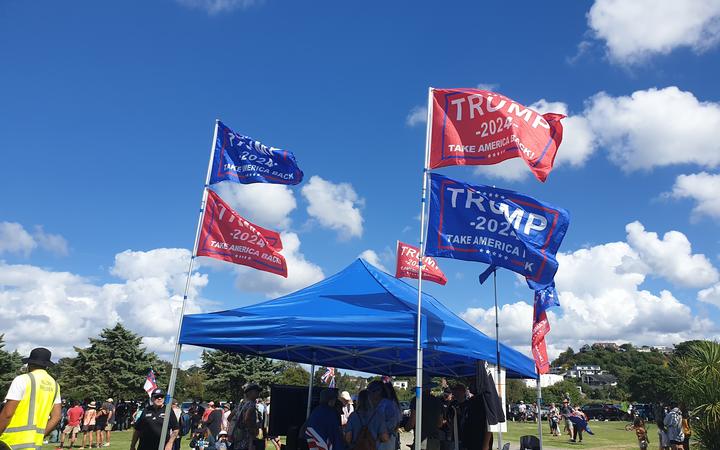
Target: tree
x,y
10,364
696,376
115,364
228,372
293,374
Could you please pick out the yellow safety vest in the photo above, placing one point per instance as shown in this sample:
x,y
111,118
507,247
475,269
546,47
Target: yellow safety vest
x,y
27,426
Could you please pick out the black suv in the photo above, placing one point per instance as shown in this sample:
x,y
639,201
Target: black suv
x,y
602,412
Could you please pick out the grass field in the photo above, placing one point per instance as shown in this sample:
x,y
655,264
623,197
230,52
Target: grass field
x,y
608,435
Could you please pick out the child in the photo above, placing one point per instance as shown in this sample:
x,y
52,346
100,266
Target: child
x,y
641,433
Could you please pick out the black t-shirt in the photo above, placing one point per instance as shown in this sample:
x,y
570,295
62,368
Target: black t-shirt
x,y
432,411
474,422
214,421
149,426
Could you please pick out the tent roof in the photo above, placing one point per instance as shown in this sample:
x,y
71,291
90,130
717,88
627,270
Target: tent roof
x,y
360,319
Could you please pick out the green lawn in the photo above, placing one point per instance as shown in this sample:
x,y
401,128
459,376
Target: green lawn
x,y
608,435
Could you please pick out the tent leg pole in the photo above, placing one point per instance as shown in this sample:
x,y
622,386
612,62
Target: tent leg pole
x,y
539,412
497,349
310,389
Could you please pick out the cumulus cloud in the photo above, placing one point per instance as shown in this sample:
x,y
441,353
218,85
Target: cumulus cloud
x,y
636,30
334,206
417,116
14,238
69,308
373,258
267,205
671,257
301,272
710,295
601,300
655,128
219,6
701,187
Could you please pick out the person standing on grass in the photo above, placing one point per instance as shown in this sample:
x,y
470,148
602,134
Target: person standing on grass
x,y
566,411
673,425
32,404
100,424
89,425
74,416
110,408
148,426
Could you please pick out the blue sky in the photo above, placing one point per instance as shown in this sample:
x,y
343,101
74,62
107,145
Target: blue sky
x,y
106,116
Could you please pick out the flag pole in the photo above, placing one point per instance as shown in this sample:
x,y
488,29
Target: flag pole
x,y
497,347
539,410
310,389
178,346
423,202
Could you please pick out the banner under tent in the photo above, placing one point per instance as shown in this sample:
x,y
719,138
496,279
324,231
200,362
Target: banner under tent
x,y
360,319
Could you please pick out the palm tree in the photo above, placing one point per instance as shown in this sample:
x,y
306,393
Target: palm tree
x,y
698,380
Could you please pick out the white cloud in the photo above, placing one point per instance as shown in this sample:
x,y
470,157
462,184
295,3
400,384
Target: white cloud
x,y
334,206
601,300
53,243
301,272
671,257
373,258
219,6
635,30
710,295
69,308
704,189
14,239
655,128
488,86
417,116
267,205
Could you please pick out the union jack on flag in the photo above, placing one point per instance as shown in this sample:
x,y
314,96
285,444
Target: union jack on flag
x,y
329,377
150,383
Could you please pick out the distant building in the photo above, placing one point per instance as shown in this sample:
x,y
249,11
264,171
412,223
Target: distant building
x,y
580,371
599,381
606,346
643,349
663,349
546,380
401,384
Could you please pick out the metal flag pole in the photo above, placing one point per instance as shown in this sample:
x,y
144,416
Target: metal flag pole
x,y
310,389
497,347
539,411
423,201
178,346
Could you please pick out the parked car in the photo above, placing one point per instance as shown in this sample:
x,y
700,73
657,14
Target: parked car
x,y
604,412
643,410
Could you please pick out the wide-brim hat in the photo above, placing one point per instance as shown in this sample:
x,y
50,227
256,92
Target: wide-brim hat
x,y
345,395
39,357
91,405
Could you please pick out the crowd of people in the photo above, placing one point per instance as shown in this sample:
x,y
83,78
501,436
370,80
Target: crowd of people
x,y
673,428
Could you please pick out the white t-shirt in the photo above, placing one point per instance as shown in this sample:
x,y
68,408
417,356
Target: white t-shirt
x,y
18,387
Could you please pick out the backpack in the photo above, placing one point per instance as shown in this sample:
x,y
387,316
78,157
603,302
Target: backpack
x,y
365,440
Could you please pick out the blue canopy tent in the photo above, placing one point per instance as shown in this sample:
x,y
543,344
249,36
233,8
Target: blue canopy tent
x,y
360,319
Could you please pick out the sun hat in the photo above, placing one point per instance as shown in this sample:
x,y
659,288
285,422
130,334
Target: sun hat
x,y
345,395
39,356
110,400
91,405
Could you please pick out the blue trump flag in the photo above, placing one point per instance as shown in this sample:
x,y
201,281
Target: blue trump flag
x,y
244,160
495,226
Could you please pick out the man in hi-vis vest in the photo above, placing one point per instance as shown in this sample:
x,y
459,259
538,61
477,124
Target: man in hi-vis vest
x,y
32,405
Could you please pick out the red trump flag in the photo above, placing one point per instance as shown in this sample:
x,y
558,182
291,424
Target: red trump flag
x,y
227,236
479,127
407,265
541,327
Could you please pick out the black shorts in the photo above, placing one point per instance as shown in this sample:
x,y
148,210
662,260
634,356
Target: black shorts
x,y
676,442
